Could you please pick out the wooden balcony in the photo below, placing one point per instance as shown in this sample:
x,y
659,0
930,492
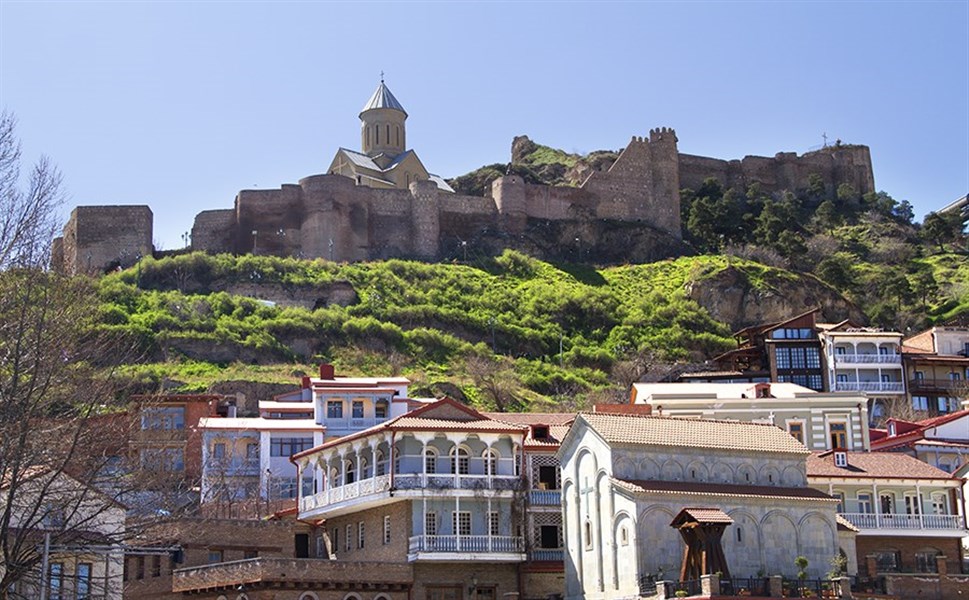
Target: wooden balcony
x,y
868,359
888,387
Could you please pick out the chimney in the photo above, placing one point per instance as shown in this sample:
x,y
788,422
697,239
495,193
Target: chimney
x,y
306,382
327,371
233,411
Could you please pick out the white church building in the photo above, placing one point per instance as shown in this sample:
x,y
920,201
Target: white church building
x,y
625,477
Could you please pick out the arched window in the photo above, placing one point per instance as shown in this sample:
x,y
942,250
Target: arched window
x,y
349,471
430,460
396,460
397,133
376,131
379,463
461,463
926,560
388,133
334,479
588,534
740,535
364,468
308,596
491,457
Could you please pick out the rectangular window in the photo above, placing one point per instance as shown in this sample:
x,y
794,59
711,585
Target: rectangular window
x,y
782,357
386,529
163,417
430,463
140,568
348,539
484,593
943,404
360,536
813,358
461,522
215,556
796,429
286,447
83,581
548,477
380,409
549,536
939,504
334,409
920,403
954,376
357,409
493,523
156,566
841,501
55,582
864,503
336,539
430,523
249,554
798,358
814,382
218,450
439,592
838,435
252,450
913,505
888,561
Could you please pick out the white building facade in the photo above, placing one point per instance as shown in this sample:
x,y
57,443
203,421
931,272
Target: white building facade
x,y
626,477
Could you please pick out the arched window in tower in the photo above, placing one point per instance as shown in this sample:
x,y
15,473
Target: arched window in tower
x,y
368,137
388,133
397,135
376,131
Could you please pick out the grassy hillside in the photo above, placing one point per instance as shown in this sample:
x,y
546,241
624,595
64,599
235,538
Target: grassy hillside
x,y
542,330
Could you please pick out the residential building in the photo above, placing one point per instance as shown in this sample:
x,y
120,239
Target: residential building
x,y
864,359
937,368
819,420
543,571
909,515
439,489
942,441
190,546
248,457
626,477
64,537
786,351
167,437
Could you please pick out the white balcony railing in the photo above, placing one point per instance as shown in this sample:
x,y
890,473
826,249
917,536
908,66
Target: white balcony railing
x,y
868,359
546,554
466,543
893,521
869,386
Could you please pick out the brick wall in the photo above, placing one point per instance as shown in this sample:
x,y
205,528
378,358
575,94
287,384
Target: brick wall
x,y
373,524
504,577
97,237
908,546
947,587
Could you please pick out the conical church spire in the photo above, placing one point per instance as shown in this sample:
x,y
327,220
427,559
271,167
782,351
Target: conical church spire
x,y
382,123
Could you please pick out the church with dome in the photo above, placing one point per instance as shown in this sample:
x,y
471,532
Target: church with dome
x,y
385,162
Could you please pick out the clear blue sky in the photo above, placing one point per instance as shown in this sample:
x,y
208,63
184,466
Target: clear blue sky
x,y
179,105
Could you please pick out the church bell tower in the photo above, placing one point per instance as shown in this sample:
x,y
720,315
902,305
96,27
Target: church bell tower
x,y
382,124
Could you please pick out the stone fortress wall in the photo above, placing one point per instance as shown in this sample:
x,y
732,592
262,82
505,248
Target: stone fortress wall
x,y
329,216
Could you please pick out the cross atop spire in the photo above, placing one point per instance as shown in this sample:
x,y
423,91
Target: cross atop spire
x,y
381,76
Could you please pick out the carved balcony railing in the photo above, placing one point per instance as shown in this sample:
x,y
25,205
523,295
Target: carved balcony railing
x,y
868,359
894,521
895,387
545,497
477,544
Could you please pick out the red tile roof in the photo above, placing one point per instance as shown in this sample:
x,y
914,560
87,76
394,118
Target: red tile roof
x,y
720,489
868,465
695,433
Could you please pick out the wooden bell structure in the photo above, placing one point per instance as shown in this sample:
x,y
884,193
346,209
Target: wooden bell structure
x,y
702,531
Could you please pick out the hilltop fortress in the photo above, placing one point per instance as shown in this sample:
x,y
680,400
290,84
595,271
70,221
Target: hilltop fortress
x,y
382,203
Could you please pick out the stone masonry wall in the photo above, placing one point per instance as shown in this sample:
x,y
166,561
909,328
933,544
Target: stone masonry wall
x,y
98,237
328,216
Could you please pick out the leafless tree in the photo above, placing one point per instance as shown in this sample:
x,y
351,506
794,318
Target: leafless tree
x,y
494,376
63,432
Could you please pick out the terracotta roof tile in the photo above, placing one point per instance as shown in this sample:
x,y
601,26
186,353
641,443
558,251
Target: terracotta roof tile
x,y
893,465
844,523
720,489
697,433
705,515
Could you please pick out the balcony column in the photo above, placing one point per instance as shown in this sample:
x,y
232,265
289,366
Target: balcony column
x,y
918,504
373,459
343,468
424,461
456,522
878,504
488,521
